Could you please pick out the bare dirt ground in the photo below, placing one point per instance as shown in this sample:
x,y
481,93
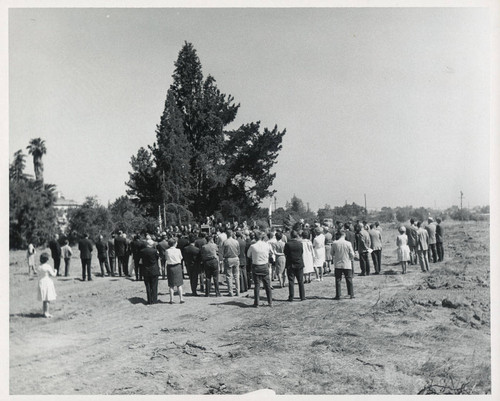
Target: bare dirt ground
x,y
402,334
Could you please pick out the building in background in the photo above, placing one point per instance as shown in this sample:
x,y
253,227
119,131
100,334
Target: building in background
x,y
62,205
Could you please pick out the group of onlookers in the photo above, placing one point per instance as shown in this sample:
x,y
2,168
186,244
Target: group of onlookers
x,y
249,257
425,243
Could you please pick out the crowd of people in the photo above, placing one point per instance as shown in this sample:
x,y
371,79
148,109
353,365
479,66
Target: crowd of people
x,y
245,256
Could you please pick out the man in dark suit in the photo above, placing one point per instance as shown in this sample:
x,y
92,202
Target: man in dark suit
x,y
199,242
85,247
191,255
162,248
102,255
135,247
294,265
349,236
121,253
55,250
439,240
412,241
111,254
150,270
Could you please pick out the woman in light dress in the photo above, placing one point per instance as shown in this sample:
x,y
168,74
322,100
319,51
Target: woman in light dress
x,y
403,248
307,256
46,290
328,250
30,254
319,253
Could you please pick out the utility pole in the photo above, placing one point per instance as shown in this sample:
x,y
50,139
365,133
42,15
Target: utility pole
x,y
275,203
366,210
461,198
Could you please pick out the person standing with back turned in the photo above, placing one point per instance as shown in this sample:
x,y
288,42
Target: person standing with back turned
x,y
343,257
439,240
294,263
85,247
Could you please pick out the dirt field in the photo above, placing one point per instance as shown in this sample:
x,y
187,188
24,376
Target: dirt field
x,y
402,334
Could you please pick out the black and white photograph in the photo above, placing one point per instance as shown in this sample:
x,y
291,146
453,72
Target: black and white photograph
x,y
261,199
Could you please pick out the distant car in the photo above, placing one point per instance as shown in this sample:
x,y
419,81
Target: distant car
x,y
328,222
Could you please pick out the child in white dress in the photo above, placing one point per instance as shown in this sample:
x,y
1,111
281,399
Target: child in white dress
x,y
46,290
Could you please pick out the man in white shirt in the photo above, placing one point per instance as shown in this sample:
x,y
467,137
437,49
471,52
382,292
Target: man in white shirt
x,y
343,256
259,255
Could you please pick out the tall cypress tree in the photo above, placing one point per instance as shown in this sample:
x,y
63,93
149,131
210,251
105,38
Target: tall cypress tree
x,y
197,167
172,155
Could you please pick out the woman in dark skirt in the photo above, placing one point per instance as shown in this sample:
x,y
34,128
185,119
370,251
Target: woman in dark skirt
x,y
175,278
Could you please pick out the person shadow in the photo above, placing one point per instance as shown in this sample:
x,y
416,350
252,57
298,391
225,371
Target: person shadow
x,y
137,300
28,315
391,272
234,303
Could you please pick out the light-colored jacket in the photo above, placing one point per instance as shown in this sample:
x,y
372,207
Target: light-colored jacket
x,y
431,229
375,239
343,254
422,239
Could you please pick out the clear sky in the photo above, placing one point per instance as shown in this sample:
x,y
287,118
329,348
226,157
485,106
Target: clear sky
x,y
391,102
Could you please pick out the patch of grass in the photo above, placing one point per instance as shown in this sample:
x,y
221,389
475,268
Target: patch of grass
x,y
447,377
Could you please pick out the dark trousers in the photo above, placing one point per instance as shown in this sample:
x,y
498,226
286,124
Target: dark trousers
x,y
112,264
338,281
249,275
243,279
261,273
212,272
432,252
123,265
201,274
193,272
413,255
103,261
364,263
151,283
57,264
163,267
292,273
67,262
440,251
377,260
137,269
86,268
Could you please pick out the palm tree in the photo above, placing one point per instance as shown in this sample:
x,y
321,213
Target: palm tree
x,y
37,149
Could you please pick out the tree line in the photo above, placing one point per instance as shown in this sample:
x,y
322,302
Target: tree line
x,y
197,167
